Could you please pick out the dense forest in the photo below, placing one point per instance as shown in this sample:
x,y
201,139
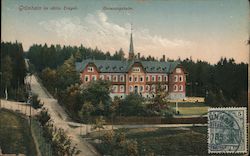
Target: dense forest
x,y
223,83
13,70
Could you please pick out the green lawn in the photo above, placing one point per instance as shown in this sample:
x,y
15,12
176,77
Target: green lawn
x,y
191,108
15,136
167,141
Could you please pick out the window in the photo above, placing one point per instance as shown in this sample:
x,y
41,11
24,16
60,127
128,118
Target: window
x,y
153,78
175,88
130,78
136,69
159,78
101,77
131,88
115,78
93,77
181,88
181,78
90,69
141,78
141,88
147,87
153,88
147,78
178,70
114,88
121,88
109,77
175,78
136,78
166,87
121,78
166,78
86,78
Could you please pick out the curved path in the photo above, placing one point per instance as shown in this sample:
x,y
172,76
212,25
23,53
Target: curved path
x,y
61,119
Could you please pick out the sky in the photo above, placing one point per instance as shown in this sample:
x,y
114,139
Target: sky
x,y
202,29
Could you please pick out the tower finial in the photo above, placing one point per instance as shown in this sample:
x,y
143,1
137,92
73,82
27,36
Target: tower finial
x,y
131,27
131,46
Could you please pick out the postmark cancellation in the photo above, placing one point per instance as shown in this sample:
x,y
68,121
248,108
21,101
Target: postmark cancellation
x,y
227,130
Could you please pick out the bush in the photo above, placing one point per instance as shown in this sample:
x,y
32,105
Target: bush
x,y
132,105
116,143
36,103
61,143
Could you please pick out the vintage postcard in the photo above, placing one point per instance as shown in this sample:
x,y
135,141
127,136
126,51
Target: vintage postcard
x,y
124,77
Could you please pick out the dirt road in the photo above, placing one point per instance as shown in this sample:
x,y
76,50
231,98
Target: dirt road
x,y
61,119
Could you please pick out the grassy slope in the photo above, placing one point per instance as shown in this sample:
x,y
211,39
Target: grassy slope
x,y
168,141
15,134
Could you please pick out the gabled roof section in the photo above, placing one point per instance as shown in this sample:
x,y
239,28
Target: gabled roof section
x,y
118,66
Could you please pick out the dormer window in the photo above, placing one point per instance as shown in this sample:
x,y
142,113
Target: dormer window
x,y
136,69
100,67
178,70
90,69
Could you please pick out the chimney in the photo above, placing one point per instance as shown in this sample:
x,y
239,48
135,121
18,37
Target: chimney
x,y
139,55
163,58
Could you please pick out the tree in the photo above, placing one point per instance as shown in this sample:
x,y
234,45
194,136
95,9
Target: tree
x,y
158,103
62,144
49,78
100,108
7,72
132,148
67,74
113,108
97,92
116,143
99,122
43,117
85,112
78,56
132,105
36,102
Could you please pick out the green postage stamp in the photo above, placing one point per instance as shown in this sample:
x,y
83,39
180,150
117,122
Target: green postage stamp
x,y
227,130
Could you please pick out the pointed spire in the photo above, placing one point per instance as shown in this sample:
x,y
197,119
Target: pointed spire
x,y
131,46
